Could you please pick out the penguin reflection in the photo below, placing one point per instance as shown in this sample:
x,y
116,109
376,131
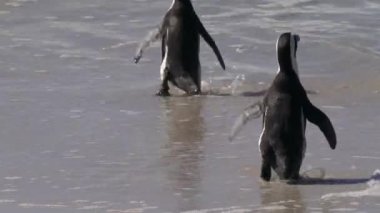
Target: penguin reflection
x,y
185,128
282,197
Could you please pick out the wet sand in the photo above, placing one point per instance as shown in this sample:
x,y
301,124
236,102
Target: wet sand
x,y
134,152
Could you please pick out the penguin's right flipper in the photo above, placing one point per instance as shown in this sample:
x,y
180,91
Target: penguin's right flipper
x,y
251,112
206,36
316,116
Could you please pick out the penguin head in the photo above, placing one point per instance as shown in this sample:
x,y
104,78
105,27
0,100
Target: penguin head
x,y
184,3
286,46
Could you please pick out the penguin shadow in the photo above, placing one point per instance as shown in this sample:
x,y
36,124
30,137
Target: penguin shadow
x,y
183,151
281,197
333,181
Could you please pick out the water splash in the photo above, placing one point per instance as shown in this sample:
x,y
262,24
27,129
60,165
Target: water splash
x,y
236,83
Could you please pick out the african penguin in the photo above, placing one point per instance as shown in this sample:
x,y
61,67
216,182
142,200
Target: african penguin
x,y
285,109
179,31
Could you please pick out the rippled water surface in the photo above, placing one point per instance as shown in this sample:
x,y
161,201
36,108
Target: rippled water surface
x,y
81,130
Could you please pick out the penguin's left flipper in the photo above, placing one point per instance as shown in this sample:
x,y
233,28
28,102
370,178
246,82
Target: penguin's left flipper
x,y
251,112
206,36
152,36
317,117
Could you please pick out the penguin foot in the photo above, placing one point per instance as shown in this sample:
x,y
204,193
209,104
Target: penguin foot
x,y
266,171
265,178
265,175
294,180
163,93
194,92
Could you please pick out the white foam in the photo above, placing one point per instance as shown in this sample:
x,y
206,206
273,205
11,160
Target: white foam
x,y
333,107
232,209
9,190
130,112
3,12
92,207
367,157
7,201
34,205
272,208
142,209
343,210
13,4
13,178
236,83
373,190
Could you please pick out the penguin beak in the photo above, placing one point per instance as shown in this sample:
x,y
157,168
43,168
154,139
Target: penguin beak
x,y
296,40
297,37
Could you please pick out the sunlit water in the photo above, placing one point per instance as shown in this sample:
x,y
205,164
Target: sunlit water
x,y
81,130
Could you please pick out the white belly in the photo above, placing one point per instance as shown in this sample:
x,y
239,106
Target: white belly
x,y
262,133
163,64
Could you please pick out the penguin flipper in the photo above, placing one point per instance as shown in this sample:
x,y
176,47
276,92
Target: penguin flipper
x,y
152,36
317,117
251,112
206,36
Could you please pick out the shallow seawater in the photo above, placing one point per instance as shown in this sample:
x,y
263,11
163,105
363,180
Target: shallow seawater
x,y
81,129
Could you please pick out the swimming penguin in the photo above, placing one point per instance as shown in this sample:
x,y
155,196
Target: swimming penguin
x,y
285,108
179,31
